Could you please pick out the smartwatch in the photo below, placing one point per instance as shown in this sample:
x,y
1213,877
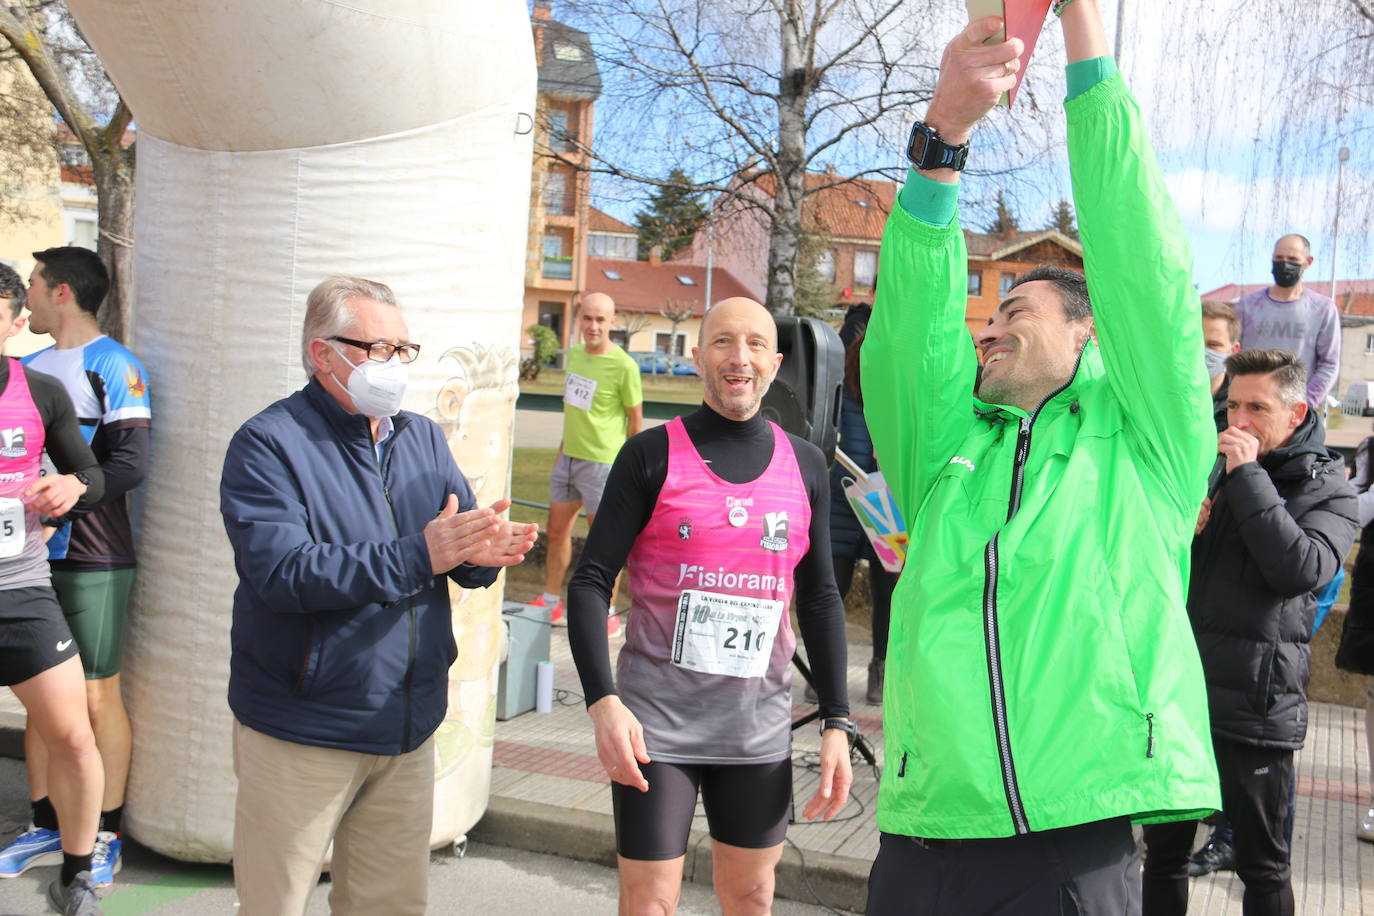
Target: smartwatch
x,y
848,726
927,150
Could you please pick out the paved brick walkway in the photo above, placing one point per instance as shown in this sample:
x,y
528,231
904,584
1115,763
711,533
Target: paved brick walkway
x,y
550,759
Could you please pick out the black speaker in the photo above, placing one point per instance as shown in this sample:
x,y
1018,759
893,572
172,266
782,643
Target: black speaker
x,y
805,397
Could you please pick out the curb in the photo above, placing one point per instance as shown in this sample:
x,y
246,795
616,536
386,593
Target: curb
x,y
12,735
835,881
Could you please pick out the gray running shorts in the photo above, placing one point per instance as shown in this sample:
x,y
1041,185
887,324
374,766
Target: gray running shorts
x,y
577,480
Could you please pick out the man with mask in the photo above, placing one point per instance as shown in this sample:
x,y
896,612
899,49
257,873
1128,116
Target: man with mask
x,y
1289,316
347,515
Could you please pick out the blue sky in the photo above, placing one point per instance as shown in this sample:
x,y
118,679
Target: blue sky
x,y
1247,123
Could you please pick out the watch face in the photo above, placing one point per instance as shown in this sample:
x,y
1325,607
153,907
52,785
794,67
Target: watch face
x,y
916,150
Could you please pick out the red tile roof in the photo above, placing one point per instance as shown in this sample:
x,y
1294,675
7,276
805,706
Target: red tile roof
x,y
858,209
601,221
1233,291
646,287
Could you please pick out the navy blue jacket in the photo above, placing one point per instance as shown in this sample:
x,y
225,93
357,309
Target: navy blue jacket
x,y
342,636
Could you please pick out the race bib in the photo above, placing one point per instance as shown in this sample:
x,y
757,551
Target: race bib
x,y
578,391
11,527
725,634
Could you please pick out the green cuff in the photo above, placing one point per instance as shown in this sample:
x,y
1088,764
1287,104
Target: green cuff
x,y
1082,75
928,200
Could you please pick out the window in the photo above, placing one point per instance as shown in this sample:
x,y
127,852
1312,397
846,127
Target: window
x,y
611,274
662,340
620,337
1369,344
557,266
825,265
564,51
975,283
551,317
556,193
865,267
559,139
686,280
1004,284
84,234
605,245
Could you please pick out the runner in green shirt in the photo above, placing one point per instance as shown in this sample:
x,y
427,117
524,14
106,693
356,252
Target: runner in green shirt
x,y
602,407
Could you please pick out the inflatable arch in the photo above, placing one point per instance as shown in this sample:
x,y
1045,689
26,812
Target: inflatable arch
x,y
279,143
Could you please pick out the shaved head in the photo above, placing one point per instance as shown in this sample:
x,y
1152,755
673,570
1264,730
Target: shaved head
x,y
598,302
734,307
737,357
595,316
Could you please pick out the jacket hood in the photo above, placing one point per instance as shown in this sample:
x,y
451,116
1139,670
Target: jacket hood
x,y
1306,454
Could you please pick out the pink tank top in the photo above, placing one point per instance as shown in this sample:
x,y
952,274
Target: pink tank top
x,y
23,557
706,665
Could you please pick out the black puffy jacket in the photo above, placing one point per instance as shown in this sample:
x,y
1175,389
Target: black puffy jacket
x,y
1278,530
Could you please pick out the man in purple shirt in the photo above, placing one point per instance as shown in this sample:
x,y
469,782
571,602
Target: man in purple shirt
x,y
1289,316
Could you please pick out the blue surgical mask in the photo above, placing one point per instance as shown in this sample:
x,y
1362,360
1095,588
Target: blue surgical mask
x,y
1216,362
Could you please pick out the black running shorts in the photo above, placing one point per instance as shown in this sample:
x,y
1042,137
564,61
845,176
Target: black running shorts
x,y
747,805
33,633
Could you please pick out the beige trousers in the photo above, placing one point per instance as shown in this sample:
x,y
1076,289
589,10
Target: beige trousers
x,y
294,798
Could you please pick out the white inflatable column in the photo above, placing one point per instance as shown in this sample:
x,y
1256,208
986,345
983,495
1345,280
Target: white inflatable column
x,y
279,143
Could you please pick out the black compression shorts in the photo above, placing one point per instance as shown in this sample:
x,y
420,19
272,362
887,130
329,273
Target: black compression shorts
x,y
33,633
747,805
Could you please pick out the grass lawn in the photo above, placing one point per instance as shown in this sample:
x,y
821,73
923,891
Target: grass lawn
x,y
678,389
530,480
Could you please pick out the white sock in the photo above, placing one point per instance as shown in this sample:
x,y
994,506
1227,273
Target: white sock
x,y
610,611
550,599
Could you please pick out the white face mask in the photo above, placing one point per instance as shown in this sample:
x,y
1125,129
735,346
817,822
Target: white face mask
x,y
1216,362
376,388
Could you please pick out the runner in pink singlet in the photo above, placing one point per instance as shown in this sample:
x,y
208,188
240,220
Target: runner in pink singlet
x,y
38,656
722,520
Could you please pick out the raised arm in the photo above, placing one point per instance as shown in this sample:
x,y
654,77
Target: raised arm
x,y
1139,267
918,360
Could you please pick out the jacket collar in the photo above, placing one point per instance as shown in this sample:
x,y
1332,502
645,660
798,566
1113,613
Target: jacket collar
x,y
347,426
1305,455
1087,371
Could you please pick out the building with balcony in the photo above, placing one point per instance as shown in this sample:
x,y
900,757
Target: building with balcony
x,y
555,259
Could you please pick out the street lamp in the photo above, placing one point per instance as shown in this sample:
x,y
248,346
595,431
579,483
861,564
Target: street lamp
x,y
1341,159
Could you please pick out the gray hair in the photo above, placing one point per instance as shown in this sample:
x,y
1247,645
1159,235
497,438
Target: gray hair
x,y
329,309
1289,375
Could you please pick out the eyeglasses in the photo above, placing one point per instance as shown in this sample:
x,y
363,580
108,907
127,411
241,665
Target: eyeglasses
x,y
379,351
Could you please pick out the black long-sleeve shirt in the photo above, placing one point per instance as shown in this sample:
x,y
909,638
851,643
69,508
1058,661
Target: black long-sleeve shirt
x,y
737,451
62,436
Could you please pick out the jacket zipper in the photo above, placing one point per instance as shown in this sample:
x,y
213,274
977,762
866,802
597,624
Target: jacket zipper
x,y
991,636
410,605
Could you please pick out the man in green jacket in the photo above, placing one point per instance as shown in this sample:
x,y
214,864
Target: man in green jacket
x,y
1043,689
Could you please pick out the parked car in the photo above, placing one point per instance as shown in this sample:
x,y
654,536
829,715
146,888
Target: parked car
x,y
664,364
1358,400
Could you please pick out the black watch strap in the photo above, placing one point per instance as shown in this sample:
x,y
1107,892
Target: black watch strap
x,y
848,726
928,150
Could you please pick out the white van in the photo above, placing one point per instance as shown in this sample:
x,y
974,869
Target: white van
x,y
1359,400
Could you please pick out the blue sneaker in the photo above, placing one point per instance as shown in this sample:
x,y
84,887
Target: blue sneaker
x,y
35,846
105,858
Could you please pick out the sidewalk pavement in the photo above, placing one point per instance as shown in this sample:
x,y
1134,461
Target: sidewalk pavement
x,y
550,795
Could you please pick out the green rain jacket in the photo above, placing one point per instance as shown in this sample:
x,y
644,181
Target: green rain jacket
x,y
1041,671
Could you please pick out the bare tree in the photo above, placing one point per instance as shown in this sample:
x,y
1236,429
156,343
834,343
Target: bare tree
x,y
676,311
751,95
631,323
42,34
